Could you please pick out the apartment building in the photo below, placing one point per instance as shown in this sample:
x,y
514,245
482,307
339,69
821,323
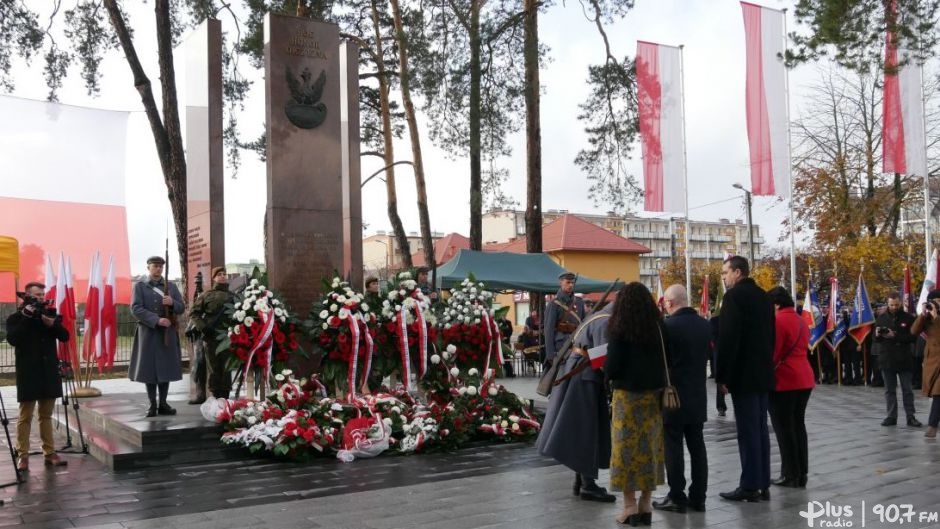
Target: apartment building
x,y
709,240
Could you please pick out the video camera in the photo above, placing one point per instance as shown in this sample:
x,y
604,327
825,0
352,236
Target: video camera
x,y
40,307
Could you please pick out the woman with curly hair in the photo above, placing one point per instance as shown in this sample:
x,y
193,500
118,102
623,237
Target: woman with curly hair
x,y
636,371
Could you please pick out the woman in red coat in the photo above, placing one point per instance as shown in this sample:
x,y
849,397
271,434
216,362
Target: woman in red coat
x,y
793,382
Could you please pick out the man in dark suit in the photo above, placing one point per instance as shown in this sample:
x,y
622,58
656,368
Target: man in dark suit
x,y
689,338
745,369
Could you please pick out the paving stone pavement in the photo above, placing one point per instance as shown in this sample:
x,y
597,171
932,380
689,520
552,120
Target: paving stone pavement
x,y
852,459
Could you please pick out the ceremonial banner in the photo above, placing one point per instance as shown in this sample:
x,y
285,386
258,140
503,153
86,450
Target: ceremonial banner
x,y
902,134
63,188
703,305
907,298
766,101
862,317
659,101
812,315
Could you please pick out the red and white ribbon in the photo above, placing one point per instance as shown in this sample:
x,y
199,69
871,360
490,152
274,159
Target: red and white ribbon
x,y
422,340
403,346
351,374
263,345
490,325
370,347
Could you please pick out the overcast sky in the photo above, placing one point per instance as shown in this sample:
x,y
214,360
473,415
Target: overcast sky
x,y
711,30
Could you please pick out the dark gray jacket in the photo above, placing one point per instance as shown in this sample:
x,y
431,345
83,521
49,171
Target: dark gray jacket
x,y
689,337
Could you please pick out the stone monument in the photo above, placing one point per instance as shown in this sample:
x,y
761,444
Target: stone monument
x,y
313,218
204,157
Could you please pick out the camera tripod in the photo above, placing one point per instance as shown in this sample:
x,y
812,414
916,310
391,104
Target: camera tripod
x,y
69,388
5,420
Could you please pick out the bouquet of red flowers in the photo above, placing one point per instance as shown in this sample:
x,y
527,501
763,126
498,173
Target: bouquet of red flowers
x,y
468,323
405,331
339,329
261,331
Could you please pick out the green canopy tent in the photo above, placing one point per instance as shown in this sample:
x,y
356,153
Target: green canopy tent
x,y
534,272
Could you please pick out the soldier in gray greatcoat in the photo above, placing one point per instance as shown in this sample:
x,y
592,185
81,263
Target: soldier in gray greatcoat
x,y
576,429
156,359
562,315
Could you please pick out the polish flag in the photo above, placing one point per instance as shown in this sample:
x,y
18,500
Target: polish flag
x,y
92,316
930,282
50,279
906,297
766,101
108,321
60,305
902,134
53,169
598,355
703,306
69,317
662,136
834,314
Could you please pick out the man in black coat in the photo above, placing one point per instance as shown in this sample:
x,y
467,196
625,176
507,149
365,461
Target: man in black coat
x,y
746,370
33,332
689,337
893,342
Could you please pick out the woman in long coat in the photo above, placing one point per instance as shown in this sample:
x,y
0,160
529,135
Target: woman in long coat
x,y
576,429
156,359
929,322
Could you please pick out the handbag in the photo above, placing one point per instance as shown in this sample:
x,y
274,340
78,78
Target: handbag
x,y
670,397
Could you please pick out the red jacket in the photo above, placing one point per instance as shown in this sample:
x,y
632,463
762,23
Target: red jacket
x,y
791,366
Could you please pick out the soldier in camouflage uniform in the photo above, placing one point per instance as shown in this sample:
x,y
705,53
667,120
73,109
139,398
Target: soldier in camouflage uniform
x,y
207,316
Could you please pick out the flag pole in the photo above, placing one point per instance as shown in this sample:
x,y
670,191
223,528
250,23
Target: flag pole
x,y
685,175
786,74
927,209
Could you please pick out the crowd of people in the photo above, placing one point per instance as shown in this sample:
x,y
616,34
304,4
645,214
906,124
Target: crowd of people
x,y
613,416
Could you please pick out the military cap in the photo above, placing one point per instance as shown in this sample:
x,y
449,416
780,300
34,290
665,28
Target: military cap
x,y
933,294
216,270
156,259
567,275
422,270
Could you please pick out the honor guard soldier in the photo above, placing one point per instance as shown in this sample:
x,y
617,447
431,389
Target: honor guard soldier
x,y
562,315
207,316
156,359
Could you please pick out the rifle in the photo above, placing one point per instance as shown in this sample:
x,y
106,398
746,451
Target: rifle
x,y
548,378
167,309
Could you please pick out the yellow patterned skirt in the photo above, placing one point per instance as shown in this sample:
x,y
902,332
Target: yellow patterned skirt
x,y
637,458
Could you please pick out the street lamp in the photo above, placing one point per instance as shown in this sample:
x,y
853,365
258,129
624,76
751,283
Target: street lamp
x,y
750,225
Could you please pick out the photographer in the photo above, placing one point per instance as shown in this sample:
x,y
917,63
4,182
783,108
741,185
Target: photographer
x,y
893,343
929,322
33,331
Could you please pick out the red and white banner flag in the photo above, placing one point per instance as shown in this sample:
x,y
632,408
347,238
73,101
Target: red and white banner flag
x,y
659,98
69,317
50,279
902,136
703,305
930,281
766,101
63,188
90,347
60,306
108,321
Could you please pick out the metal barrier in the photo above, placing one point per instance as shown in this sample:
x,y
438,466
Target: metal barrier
x,y
122,357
